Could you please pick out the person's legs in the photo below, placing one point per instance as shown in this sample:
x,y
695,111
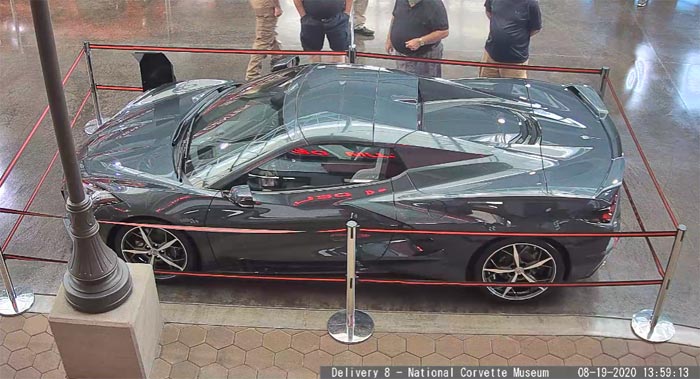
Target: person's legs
x,y
338,34
488,72
264,40
514,73
359,8
312,36
433,70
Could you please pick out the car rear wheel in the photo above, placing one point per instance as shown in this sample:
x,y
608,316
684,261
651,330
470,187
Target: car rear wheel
x,y
167,250
519,261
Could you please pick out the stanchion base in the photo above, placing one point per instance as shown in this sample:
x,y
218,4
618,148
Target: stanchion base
x,y
641,326
338,328
24,301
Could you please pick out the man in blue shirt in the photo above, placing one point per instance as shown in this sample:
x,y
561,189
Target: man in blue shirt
x,y
417,30
512,23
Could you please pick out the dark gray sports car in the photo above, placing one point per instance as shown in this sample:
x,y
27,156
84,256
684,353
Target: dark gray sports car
x,y
307,148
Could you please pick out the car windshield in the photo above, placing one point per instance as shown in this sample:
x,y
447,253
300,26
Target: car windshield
x,y
238,127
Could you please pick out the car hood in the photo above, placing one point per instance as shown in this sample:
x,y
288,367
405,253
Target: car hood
x,y
136,142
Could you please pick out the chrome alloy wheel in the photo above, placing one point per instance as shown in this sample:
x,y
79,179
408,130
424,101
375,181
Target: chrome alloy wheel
x,y
157,247
519,263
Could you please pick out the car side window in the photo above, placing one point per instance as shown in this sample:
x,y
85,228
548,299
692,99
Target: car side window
x,y
328,165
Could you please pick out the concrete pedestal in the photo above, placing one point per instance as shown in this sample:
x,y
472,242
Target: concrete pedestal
x,y
121,343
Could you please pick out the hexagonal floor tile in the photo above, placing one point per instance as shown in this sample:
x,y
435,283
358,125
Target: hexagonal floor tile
x,y
230,356
391,345
259,358
35,324
184,370
449,346
505,347
305,342
317,358
192,335
478,346
420,345
202,355
248,339
242,372
376,359
347,358
276,340
561,347
533,347
175,352
288,359
219,337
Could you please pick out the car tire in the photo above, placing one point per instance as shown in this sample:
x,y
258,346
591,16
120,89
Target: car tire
x,y
179,255
497,264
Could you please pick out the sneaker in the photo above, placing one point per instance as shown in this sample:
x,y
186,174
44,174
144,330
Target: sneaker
x,y
364,31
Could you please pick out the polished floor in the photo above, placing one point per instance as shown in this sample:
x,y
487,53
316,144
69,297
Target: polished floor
x,y
655,66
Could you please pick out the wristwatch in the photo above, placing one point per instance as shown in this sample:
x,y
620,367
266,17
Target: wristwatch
x,y
420,40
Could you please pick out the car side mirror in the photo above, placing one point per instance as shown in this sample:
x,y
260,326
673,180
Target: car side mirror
x,y
242,196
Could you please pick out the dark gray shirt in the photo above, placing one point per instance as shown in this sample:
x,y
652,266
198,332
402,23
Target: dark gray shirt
x,y
409,23
511,24
320,9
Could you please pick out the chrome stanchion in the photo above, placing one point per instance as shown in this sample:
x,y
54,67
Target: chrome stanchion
x,y
652,325
93,86
350,325
13,300
605,72
352,49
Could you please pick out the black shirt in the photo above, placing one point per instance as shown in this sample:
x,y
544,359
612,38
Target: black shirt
x,y
409,23
511,24
320,9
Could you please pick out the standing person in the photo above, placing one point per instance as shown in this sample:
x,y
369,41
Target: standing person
x,y
512,23
359,8
266,14
321,19
417,30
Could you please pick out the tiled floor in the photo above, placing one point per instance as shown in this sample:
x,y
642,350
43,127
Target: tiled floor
x,y
204,352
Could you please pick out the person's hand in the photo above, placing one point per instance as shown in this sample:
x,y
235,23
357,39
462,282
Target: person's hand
x,y
389,47
278,11
413,44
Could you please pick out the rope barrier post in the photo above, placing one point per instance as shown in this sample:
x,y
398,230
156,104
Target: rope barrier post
x,y
350,326
604,73
13,300
93,86
352,48
651,325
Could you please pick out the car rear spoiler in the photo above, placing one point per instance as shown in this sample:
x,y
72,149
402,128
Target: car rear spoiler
x,y
591,98
613,180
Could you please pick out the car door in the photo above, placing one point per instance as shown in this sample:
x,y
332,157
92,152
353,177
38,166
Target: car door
x,y
300,204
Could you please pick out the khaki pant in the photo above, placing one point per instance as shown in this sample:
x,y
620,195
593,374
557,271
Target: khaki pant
x,y
494,72
265,36
359,7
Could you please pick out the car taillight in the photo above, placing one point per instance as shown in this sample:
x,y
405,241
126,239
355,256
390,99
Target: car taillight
x,y
608,213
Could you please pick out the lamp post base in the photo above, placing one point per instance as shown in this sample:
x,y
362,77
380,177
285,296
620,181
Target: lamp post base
x,y
338,327
24,300
641,326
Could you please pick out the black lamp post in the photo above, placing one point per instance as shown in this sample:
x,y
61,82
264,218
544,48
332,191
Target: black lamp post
x,y
97,280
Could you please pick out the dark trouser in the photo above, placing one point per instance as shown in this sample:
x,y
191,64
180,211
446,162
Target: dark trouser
x,y
315,31
424,69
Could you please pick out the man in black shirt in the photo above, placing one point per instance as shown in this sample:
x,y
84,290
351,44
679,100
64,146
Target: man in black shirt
x,y
321,19
512,23
417,29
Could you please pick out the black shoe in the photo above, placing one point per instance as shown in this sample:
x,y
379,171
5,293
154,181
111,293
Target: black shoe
x,y
364,31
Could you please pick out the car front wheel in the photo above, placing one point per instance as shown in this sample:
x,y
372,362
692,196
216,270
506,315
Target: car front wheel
x,y
167,250
519,261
